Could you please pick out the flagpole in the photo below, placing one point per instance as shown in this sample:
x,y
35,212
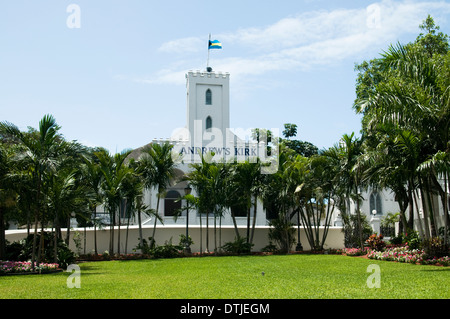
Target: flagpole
x,y
207,62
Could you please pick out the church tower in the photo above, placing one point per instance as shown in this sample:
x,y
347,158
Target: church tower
x,y
208,106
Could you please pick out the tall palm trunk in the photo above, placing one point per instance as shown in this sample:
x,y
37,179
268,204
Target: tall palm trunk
x,y
215,233
236,230
68,231
201,235
36,220
111,235
118,228
156,219
55,239
141,242
95,230
425,212
410,224
207,233
445,211
248,223
128,227
419,219
220,232
254,219
358,212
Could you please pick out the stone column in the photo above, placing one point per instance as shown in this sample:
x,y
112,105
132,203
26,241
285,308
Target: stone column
x,y
375,222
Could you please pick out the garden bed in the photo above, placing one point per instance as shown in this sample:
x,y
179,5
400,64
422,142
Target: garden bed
x,y
398,254
25,268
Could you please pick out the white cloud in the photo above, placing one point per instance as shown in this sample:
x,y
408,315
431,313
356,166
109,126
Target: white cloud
x,y
298,30
307,39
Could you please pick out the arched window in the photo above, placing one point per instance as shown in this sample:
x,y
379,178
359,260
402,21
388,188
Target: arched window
x,y
208,123
171,204
375,203
208,97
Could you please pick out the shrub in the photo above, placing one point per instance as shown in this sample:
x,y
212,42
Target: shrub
x,y
397,240
376,242
444,261
351,233
434,247
106,255
412,239
282,233
166,251
185,241
21,251
270,248
14,251
238,246
145,248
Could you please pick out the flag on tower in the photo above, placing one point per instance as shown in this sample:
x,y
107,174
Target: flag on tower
x,y
214,44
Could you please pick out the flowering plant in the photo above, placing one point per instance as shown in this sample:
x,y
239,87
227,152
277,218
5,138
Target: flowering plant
x,y
356,251
7,267
376,242
407,255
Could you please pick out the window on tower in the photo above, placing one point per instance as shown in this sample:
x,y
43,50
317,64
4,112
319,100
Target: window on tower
x,y
208,123
208,97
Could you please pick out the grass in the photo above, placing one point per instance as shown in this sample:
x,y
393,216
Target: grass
x,y
236,277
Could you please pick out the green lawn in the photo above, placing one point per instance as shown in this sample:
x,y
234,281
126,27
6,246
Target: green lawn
x,y
285,277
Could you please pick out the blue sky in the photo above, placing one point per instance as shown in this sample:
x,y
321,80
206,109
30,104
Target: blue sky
x,y
118,80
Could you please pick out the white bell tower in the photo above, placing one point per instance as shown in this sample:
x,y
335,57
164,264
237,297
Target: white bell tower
x,y
208,106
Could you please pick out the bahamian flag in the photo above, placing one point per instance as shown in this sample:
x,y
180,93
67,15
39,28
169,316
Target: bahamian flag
x,y
214,44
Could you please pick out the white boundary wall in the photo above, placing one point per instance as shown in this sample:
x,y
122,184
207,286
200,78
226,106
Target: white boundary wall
x,y
335,238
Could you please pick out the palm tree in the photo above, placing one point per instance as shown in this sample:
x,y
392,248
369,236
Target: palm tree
x,y
217,179
114,172
93,177
200,178
348,179
382,163
279,196
64,197
40,151
411,105
247,184
316,195
7,194
132,193
158,171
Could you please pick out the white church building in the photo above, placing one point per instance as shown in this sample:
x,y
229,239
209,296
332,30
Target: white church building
x,y
208,129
